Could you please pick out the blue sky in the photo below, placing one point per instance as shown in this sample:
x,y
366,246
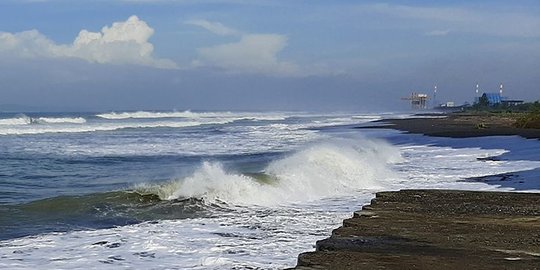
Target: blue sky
x,y
263,55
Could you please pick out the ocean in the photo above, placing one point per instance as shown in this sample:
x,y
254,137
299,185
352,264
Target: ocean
x,y
215,190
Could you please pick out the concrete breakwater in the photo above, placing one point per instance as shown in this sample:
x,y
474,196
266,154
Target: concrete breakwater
x,y
435,229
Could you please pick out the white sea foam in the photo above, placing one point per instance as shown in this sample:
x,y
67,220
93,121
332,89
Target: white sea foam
x,y
272,236
231,139
40,129
20,120
148,115
343,121
302,197
25,120
444,166
193,115
61,120
319,171
242,238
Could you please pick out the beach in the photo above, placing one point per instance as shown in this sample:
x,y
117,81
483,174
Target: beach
x,y
435,229
460,125
441,229
217,190
233,134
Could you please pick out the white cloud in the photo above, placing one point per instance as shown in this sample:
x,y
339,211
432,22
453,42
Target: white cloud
x,y
256,53
253,53
122,43
215,27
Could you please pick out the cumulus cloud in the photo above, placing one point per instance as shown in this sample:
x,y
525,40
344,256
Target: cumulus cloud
x,y
121,43
253,53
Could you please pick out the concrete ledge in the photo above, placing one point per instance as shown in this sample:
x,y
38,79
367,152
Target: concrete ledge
x,y
435,229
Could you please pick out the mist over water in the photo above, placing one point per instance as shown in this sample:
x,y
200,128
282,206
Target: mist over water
x,y
209,190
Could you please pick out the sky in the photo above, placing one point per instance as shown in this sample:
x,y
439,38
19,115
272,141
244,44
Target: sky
x,y
307,55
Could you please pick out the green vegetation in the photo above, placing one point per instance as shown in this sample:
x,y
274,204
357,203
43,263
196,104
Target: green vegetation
x,y
483,106
530,119
526,115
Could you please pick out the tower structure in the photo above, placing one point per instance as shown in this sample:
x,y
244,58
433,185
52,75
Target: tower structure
x,y
477,96
418,101
434,96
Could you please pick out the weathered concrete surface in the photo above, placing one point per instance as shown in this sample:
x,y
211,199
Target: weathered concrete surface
x,y
435,229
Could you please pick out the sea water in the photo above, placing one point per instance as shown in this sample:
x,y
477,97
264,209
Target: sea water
x,y
214,190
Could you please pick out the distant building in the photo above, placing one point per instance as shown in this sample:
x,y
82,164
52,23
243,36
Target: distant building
x,y
450,106
493,99
511,102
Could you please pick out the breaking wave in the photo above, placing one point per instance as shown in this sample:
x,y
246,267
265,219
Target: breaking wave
x,y
61,120
40,129
189,114
16,121
150,115
322,170
26,120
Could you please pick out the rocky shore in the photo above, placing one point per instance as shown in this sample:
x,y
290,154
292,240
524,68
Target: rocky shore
x,y
435,229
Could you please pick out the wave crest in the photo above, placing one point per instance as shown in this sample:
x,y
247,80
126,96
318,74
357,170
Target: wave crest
x,y
151,115
193,115
61,120
40,129
22,119
16,121
322,170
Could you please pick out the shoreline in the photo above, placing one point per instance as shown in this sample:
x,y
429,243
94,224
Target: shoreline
x,y
439,229
458,126
435,229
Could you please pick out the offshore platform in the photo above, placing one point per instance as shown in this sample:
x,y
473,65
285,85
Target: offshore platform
x,y
418,100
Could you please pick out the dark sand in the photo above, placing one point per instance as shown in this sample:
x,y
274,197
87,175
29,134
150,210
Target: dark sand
x,y
439,229
460,126
435,229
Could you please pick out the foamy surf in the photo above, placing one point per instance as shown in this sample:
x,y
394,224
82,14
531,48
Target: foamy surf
x,y
267,191
325,169
19,120
26,120
148,115
41,129
231,116
251,236
61,120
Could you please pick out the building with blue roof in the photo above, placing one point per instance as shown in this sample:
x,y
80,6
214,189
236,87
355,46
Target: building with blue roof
x,y
495,99
492,98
